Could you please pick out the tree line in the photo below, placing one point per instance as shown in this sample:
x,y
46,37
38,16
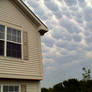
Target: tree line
x,y
73,85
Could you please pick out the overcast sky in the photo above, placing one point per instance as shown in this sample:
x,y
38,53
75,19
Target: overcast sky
x,y
67,47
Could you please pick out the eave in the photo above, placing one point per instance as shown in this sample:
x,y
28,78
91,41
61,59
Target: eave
x,y
42,28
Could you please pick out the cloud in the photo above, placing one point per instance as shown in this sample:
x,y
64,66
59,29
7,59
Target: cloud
x,y
71,2
79,16
88,14
82,3
89,26
53,7
48,41
89,55
77,38
70,26
37,7
60,33
89,39
67,47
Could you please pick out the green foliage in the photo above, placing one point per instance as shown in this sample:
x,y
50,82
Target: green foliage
x,y
73,85
58,87
44,90
86,74
50,90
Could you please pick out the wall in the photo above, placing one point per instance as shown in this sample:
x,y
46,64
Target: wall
x,y
17,68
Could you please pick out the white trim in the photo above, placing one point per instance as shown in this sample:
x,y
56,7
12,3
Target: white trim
x,y
1,88
19,88
5,45
22,53
14,42
2,39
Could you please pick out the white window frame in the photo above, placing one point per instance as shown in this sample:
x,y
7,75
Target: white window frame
x,y
2,85
5,42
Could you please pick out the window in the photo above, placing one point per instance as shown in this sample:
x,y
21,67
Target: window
x,y
10,42
2,32
9,88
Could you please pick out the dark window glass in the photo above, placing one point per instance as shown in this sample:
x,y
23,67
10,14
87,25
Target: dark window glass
x,y
13,50
2,31
16,88
5,89
10,88
1,48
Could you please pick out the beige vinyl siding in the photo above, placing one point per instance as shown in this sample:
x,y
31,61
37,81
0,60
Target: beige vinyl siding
x,y
31,68
34,86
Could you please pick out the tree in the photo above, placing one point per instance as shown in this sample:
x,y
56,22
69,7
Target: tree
x,y
50,90
86,74
71,85
58,87
44,90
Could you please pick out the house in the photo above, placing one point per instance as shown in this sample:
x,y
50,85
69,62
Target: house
x,y
20,48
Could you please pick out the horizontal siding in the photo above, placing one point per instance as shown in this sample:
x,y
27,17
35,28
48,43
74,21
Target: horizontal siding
x,y
10,15
25,68
34,87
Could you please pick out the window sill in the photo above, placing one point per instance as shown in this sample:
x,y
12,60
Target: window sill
x,y
10,59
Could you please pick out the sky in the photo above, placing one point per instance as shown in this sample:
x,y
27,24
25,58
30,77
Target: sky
x,y
67,47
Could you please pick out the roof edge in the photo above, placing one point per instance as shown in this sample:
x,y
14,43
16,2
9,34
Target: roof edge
x,y
42,28
33,14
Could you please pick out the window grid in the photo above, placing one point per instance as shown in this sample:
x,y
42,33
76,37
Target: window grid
x,y
2,37
10,88
2,31
13,35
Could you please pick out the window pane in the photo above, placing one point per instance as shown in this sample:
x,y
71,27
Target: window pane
x,y
2,30
1,35
19,39
18,33
14,38
14,32
1,48
13,35
9,33
16,88
10,88
19,36
13,50
9,37
5,88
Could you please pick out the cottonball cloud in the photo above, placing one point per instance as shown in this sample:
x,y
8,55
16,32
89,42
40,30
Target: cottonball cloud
x,y
70,25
